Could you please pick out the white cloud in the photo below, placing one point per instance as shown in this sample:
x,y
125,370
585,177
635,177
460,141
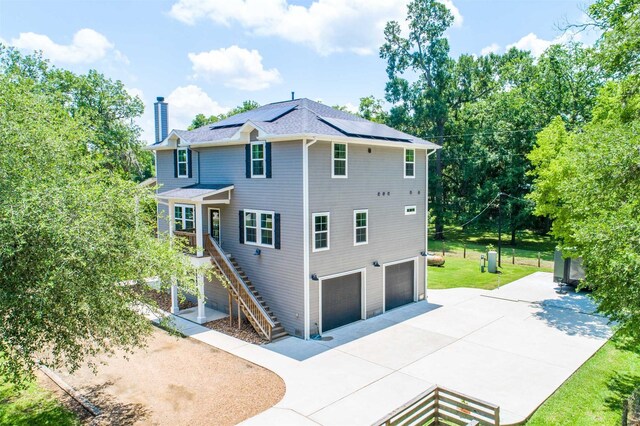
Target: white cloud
x,y
532,42
185,102
327,26
235,67
492,48
87,46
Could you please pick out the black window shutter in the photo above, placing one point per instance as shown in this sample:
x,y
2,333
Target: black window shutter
x,y
247,160
241,225
189,162
175,163
276,230
267,148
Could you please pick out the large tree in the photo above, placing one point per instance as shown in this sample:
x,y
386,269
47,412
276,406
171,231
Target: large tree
x,y
426,86
73,240
588,180
202,120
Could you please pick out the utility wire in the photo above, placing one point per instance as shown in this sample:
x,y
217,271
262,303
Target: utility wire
x,y
491,203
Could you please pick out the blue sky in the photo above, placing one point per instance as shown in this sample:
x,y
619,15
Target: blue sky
x,y
209,55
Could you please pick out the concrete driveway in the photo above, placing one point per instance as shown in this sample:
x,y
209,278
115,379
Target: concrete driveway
x,y
513,347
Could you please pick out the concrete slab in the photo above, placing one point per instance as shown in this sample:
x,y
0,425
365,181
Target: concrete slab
x,y
191,314
512,347
372,402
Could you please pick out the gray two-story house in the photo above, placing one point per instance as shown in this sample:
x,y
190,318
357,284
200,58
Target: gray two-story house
x,y
316,217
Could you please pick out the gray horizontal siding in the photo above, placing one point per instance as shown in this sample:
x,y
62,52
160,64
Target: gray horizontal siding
x,y
165,171
277,274
393,236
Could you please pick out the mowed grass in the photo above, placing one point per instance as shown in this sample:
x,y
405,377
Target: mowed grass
x,y
528,243
458,272
594,394
32,406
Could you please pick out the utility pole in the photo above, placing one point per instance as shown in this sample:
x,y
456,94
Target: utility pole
x,y
499,230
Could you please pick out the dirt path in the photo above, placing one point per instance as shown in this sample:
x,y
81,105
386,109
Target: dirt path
x,y
177,381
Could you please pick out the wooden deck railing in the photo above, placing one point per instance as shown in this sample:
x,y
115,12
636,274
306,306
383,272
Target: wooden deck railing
x,y
251,307
439,405
188,234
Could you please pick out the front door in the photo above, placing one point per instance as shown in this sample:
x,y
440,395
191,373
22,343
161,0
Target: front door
x,y
214,224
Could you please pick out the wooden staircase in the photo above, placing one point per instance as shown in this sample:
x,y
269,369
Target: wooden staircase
x,y
278,331
240,289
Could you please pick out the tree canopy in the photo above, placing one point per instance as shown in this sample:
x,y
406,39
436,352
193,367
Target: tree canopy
x,y
202,120
73,240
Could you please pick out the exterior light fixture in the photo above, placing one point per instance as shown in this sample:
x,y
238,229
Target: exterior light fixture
x,y
424,253
257,252
314,277
376,264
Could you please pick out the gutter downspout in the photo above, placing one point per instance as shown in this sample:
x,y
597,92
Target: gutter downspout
x,y
305,233
426,228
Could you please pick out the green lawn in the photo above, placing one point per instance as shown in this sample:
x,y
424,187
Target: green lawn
x,y
594,394
458,272
33,406
528,243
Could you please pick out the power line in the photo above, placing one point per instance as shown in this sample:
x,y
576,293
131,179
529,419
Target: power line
x,y
491,203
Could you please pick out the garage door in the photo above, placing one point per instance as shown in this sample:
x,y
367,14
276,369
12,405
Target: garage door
x,y
341,301
399,283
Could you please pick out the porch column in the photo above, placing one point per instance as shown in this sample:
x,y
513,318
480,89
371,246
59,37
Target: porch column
x,y
201,319
175,308
171,220
199,239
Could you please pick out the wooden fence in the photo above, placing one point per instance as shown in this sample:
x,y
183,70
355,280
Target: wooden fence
x,y
441,406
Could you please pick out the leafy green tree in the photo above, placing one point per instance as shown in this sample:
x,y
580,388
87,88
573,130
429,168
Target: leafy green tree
x,y
73,241
371,109
588,180
202,120
102,102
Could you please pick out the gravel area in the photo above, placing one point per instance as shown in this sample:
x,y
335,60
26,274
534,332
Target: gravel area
x,y
176,381
245,332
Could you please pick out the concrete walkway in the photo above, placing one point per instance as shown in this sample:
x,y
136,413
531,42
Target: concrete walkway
x,y
513,347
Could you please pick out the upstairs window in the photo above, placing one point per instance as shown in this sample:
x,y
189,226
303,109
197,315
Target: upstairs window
x,y
360,227
409,210
257,159
409,163
320,231
339,157
183,217
183,162
259,228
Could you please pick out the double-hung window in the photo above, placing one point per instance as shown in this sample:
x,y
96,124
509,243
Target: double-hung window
x,y
320,231
409,163
183,217
339,160
257,159
258,228
360,227
183,162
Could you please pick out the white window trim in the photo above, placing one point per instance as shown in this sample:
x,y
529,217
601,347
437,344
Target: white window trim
x,y
407,211
264,159
313,221
184,216
185,162
355,212
259,228
346,161
405,162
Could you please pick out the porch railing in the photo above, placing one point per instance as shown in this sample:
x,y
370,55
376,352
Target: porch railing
x,y
188,234
251,307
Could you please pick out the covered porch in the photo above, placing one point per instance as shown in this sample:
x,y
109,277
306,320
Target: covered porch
x,y
195,211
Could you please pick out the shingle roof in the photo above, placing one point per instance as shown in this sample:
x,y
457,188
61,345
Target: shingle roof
x,y
306,116
195,191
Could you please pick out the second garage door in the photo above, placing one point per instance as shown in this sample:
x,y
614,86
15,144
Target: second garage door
x,y
341,301
399,281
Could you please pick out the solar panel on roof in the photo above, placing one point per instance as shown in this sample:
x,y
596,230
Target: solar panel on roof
x,y
366,129
266,114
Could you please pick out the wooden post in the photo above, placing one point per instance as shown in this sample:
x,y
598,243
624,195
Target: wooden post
x,y
464,253
239,315
538,259
513,256
442,248
230,310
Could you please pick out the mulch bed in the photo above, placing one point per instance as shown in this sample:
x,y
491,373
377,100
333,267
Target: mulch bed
x,y
246,332
163,299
